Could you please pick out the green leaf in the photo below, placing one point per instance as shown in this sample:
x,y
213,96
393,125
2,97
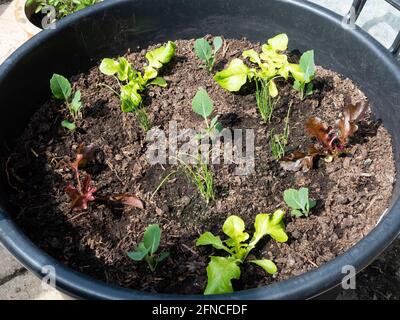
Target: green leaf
x,y
161,55
311,204
208,238
151,238
296,199
140,253
307,65
217,44
267,224
68,125
109,66
272,89
202,103
124,69
220,272
76,103
233,77
234,229
159,81
267,265
130,98
60,87
252,55
296,213
149,73
203,49
279,42
163,255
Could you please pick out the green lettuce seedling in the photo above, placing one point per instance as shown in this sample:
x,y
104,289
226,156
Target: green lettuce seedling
x,y
222,270
303,74
299,202
62,90
205,53
147,249
132,82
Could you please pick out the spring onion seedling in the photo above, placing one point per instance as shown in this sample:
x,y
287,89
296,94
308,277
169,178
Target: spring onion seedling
x,y
222,270
132,82
62,90
278,142
199,173
147,249
299,202
207,54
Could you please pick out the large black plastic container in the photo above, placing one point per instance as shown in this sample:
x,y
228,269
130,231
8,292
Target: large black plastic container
x,y
114,26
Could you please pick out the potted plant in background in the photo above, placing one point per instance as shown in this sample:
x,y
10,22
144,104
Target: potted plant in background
x,y
34,15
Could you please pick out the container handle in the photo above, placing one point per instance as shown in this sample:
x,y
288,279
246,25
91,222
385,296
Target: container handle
x,y
355,11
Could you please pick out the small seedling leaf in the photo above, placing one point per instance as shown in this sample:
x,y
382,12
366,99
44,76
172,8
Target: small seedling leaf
x,y
267,265
220,273
152,237
203,49
60,87
202,103
68,125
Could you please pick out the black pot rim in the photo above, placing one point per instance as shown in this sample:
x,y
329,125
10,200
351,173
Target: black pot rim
x,y
305,286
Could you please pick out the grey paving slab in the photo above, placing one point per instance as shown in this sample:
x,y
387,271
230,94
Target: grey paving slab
x,y
8,265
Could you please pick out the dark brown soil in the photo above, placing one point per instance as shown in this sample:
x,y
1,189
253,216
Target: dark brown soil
x,y
352,193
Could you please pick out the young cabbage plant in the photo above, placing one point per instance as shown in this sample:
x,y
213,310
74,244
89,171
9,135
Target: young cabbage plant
x,y
222,270
299,202
132,82
62,90
303,74
207,54
147,249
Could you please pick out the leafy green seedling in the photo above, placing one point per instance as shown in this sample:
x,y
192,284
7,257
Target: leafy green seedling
x,y
304,73
62,90
203,106
146,250
132,82
207,54
299,202
222,270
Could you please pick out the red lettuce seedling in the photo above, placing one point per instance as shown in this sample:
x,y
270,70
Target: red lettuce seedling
x,y
332,141
82,194
351,115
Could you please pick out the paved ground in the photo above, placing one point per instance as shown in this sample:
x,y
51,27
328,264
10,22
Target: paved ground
x,y
380,281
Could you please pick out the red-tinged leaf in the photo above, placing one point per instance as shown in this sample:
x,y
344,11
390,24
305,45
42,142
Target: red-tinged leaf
x,y
348,123
81,198
325,134
128,200
84,155
297,161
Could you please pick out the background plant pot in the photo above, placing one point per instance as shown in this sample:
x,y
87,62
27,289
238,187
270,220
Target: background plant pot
x,y
112,27
23,15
